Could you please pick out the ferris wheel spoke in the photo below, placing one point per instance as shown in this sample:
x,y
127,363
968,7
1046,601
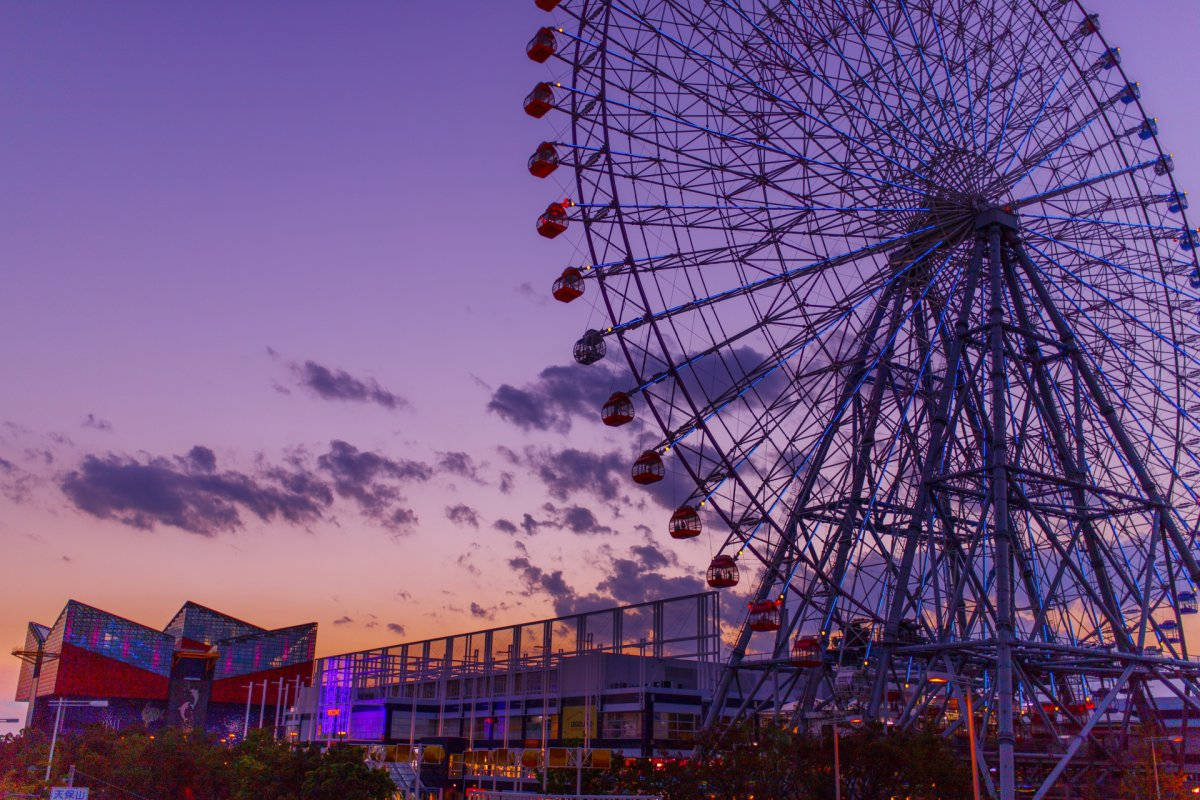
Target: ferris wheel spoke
x,y
740,457
920,48
845,101
1057,191
742,140
708,60
861,79
769,281
946,133
1150,383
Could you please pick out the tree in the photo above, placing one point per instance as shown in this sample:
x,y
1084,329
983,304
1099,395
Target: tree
x,y
172,764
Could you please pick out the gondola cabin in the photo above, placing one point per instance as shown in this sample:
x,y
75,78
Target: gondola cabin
x,y
617,411
1130,92
1089,25
1176,202
684,524
539,101
1188,239
722,572
590,348
543,161
568,286
806,651
764,615
550,5
648,468
553,220
1187,602
541,46
1149,129
1107,60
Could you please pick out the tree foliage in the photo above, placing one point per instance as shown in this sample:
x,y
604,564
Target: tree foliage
x,y
130,765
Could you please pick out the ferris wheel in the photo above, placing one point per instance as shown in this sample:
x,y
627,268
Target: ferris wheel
x,y
909,293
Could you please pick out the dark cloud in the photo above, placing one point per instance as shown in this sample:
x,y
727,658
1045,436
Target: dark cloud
x,y
481,612
396,628
462,514
632,579
192,493
372,481
538,580
96,423
565,472
202,459
337,384
558,396
187,493
343,620
459,463
505,526
506,483
580,520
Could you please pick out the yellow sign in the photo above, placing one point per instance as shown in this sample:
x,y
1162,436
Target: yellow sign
x,y
573,722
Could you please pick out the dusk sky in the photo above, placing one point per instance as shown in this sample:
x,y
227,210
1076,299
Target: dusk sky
x,y
278,334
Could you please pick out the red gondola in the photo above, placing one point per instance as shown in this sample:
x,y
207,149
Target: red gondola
x,y
1089,25
806,651
543,161
617,411
685,523
546,5
539,101
541,46
553,220
648,468
722,572
764,615
568,286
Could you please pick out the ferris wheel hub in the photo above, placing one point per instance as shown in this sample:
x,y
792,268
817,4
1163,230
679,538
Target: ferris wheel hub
x,y
997,215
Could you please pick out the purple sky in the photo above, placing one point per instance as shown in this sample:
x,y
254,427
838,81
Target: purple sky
x,y
201,199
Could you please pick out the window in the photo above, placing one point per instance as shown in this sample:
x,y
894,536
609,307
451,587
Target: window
x,y
621,725
671,725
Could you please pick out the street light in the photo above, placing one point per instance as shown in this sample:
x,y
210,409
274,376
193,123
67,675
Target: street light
x,y
58,721
1154,759
942,679
837,756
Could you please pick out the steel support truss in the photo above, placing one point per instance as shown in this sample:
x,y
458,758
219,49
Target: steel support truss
x,y
1025,574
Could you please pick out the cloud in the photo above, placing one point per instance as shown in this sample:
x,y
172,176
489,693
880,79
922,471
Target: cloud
x,y
567,471
96,423
371,480
192,493
481,612
396,628
632,579
580,520
337,384
506,483
505,526
459,463
462,514
189,493
558,396
343,620
550,583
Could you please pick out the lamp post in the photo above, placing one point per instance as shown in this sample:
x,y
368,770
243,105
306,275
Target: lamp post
x,y
58,721
941,679
1154,760
837,756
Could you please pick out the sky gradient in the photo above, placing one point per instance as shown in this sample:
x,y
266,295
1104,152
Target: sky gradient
x,y
276,261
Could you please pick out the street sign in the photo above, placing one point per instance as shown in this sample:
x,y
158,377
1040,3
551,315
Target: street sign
x,y
69,793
